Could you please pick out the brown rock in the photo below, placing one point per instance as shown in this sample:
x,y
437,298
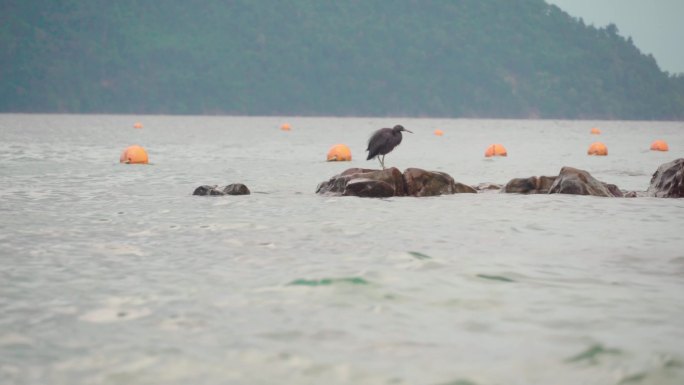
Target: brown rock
x,y
668,180
579,182
338,184
231,189
356,170
615,190
236,189
369,188
531,185
486,187
390,182
207,190
421,183
461,188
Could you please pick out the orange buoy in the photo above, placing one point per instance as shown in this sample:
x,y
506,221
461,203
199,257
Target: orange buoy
x,y
285,127
134,154
597,148
595,131
138,125
439,132
496,150
659,145
339,153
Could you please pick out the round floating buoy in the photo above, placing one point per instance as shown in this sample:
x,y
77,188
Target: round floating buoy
x,y
439,132
496,150
138,125
597,148
285,127
339,153
659,145
134,154
595,131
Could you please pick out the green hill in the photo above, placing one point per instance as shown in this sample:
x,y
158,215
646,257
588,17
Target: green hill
x,y
460,58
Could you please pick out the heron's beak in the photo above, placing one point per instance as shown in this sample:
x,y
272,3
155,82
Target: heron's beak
x,y
408,131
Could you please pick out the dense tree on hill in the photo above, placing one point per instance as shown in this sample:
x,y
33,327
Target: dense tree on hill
x,y
461,58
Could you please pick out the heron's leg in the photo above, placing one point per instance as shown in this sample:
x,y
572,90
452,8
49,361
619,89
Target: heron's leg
x,y
379,160
382,162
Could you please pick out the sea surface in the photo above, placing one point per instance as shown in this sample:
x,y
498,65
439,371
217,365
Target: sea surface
x,y
117,274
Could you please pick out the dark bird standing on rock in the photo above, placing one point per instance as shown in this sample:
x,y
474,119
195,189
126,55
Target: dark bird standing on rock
x,y
383,141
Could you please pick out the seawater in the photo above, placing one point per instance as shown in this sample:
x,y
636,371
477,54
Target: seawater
x,y
116,274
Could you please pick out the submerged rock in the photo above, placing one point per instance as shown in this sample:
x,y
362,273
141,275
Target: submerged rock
x,y
391,182
231,189
486,187
579,182
668,180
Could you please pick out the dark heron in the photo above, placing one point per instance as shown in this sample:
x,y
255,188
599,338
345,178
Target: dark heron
x,y
383,141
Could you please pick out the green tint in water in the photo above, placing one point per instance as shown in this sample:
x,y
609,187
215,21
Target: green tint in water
x,y
418,255
329,281
673,363
633,379
591,355
459,382
495,278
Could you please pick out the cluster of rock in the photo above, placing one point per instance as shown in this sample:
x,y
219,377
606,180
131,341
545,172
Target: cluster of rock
x,y
569,181
231,189
667,182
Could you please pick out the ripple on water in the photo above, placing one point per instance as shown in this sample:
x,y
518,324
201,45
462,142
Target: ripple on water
x,y
117,274
117,310
329,281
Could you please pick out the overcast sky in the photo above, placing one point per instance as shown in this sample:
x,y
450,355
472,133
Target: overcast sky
x,y
656,26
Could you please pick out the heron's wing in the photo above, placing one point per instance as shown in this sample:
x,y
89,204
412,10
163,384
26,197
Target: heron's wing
x,y
381,139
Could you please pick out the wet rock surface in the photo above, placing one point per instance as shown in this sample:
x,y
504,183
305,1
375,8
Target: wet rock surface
x,y
369,188
231,189
421,183
531,185
579,182
365,182
569,181
487,187
236,189
391,182
668,180
207,190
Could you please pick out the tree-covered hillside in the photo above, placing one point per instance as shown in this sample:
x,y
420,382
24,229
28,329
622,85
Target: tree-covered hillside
x,y
459,58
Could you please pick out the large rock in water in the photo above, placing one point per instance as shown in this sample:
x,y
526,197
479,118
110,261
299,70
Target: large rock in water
x,y
668,180
579,182
390,182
